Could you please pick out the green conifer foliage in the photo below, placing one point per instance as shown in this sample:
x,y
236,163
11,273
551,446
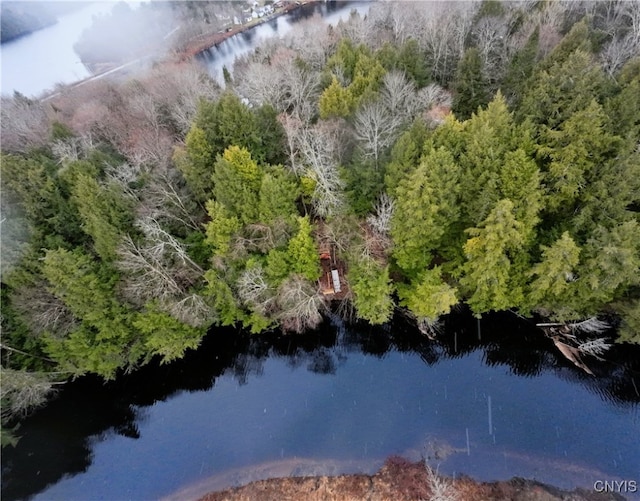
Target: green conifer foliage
x,y
105,213
105,340
335,101
487,275
196,163
610,264
428,296
623,108
487,138
277,268
165,336
237,180
471,87
554,273
405,155
575,150
521,182
372,289
229,122
367,78
221,228
303,252
426,211
629,331
32,183
521,68
224,302
278,194
346,57
567,86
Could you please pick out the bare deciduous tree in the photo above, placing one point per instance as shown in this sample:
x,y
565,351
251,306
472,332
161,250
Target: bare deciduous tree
x,y
261,237
260,83
315,54
595,347
376,128
380,220
280,82
620,50
400,19
123,176
179,88
24,124
22,391
66,151
255,292
42,311
441,488
292,128
399,94
164,199
191,310
445,29
320,150
491,34
159,268
299,304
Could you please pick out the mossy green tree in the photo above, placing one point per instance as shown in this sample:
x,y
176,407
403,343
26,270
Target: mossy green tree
x,y
578,156
303,252
428,296
553,275
105,212
237,180
471,87
195,161
105,340
426,209
405,155
278,194
372,289
221,228
335,101
488,274
520,68
165,336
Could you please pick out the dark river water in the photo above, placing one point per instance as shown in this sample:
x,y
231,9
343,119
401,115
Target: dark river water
x,y
492,406
341,399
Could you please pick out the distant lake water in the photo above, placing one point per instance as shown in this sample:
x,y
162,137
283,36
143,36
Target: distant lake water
x,y
36,62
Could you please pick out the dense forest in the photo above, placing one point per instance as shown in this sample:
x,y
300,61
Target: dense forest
x,y
484,154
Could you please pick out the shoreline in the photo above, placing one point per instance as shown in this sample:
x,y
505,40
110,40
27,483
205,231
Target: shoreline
x,y
556,475
400,479
204,42
190,51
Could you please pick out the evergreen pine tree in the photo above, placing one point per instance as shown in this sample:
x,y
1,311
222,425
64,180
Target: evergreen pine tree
x,y
471,87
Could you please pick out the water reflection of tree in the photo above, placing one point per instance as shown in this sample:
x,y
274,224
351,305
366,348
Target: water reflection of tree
x,y
57,440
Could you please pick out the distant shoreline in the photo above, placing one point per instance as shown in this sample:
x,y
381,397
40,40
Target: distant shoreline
x,y
192,49
212,39
27,32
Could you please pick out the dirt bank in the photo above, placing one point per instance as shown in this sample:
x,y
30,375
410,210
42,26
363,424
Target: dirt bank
x,y
400,480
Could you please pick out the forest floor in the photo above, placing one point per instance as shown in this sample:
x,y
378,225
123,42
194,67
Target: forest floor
x,y
400,480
